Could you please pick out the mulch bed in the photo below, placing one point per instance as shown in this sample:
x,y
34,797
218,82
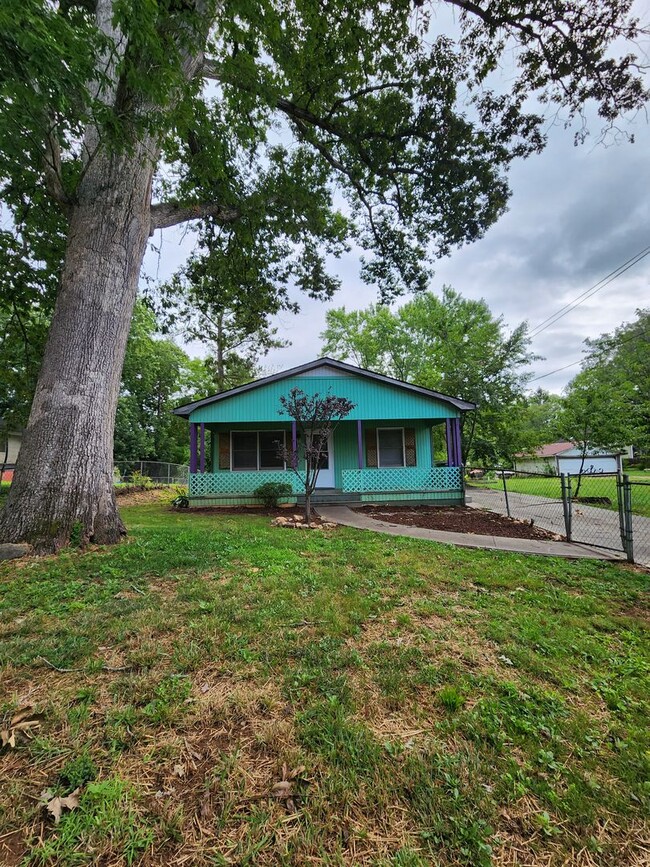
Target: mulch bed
x,y
458,519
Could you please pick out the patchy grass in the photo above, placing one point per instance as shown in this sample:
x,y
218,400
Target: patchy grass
x,y
234,693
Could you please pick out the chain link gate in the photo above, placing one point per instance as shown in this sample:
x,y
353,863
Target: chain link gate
x,y
594,510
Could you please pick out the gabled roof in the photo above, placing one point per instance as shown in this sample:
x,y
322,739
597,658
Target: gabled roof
x,y
188,408
547,451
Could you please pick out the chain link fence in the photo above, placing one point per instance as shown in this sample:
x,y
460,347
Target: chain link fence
x,y
159,472
603,510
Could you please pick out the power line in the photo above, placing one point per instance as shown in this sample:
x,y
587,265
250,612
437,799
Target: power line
x,y
588,293
616,345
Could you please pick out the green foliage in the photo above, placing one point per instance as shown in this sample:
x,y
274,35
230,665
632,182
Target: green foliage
x,y
77,771
608,403
270,493
157,376
412,129
181,500
140,480
105,817
450,344
451,698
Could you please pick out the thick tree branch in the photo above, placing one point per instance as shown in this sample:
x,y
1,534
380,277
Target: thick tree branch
x,y
168,214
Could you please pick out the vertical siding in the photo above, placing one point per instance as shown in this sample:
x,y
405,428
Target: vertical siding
x,y
372,400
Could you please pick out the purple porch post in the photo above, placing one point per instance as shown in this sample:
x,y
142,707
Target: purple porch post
x,y
450,445
202,450
459,449
359,444
192,447
294,444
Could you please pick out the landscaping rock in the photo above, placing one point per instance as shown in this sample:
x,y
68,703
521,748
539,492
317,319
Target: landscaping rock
x,y
9,551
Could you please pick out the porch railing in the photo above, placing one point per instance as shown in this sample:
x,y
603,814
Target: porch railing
x,y
382,480
371,480
239,483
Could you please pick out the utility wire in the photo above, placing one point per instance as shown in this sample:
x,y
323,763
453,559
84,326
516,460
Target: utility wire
x,y
614,345
588,293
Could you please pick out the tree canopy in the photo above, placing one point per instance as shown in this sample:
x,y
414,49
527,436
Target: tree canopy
x,y
608,403
450,344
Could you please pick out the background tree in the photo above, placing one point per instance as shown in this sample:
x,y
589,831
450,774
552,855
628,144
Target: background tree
x,y
225,300
105,118
157,376
450,344
316,420
616,369
607,405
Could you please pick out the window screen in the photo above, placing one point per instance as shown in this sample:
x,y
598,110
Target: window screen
x,y
244,450
391,447
270,442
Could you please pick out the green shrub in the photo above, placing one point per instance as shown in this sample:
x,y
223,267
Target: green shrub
x,y
140,480
181,500
271,492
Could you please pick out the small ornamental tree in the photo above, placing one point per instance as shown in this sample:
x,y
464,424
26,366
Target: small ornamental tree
x,y
316,419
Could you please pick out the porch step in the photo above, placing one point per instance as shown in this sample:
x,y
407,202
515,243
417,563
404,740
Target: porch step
x,y
330,497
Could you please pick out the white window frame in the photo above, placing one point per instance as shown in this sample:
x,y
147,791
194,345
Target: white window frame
x,y
379,466
257,469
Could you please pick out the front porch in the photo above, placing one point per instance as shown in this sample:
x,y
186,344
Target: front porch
x,y
354,473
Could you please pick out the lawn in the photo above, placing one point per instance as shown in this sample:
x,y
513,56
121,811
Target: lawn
x,y
229,692
591,486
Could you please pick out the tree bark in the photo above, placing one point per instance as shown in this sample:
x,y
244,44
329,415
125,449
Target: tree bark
x,y
63,481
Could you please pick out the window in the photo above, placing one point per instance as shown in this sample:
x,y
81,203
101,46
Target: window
x,y
270,442
390,446
256,450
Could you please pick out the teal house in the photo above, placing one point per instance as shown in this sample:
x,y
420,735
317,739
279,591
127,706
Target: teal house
x,y
384,451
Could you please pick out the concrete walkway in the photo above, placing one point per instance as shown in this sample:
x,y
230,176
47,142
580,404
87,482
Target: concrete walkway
x,y
350,518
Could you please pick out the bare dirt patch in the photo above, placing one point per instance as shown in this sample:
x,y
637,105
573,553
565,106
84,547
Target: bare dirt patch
x,y
458,519
135,495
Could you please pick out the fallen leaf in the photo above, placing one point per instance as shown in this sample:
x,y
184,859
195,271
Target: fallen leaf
x,y
24,721
7,738
282,790
58,804
179,770
21,714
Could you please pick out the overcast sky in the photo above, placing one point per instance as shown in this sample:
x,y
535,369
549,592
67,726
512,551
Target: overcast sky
x,y
576,214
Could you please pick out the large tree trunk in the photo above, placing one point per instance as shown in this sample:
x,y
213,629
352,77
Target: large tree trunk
x,y
64,474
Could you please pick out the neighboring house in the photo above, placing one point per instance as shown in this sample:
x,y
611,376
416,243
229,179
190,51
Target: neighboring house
x,y
566,457
9,448
382,451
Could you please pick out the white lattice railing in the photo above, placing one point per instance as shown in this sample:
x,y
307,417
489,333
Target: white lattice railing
x,y
375,479
239,483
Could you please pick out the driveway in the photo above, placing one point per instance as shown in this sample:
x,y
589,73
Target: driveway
x,y
590,525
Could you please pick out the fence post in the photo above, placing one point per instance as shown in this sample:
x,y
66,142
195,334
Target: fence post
x,y
505,492
169,474
566,504
621,509
627,513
